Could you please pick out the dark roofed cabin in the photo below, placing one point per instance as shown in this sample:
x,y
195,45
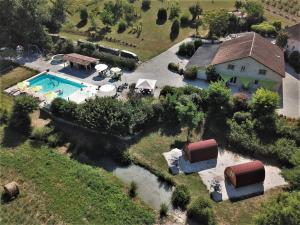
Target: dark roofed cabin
x,y
245,174
202,150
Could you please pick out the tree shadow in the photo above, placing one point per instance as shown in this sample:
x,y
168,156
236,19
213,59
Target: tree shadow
x,y
81,23
12,138
173,36
160,22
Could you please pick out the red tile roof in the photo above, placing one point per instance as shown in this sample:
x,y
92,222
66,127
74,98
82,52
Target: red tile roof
x,y
80,59
255,46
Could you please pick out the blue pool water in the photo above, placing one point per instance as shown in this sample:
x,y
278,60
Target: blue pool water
x,y
49,82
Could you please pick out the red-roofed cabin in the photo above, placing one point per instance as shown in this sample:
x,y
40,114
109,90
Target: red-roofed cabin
x,y
202,150
245,174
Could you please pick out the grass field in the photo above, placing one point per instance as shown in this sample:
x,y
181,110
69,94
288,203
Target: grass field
x,y
58,190
153,39
10,78
148,151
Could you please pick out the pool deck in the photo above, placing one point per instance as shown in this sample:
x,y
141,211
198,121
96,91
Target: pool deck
x,y
78,96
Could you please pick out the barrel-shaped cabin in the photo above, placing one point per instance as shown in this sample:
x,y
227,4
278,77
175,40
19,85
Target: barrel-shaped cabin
x,y
201,150
245,174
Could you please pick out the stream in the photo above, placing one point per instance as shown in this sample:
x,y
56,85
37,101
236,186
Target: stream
x,y
149,189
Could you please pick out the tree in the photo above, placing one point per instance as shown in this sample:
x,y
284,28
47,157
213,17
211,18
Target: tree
x,y
196,10
220,101
22,22
285,209
188,115
254,11
264,104
217,22
107,18
201,211
238,4
174,10
20,119
211,73
146,4
162,15
84,14
57,16
175,29
282,39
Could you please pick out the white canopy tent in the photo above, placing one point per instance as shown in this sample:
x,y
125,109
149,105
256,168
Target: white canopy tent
x,y
107,90
146,84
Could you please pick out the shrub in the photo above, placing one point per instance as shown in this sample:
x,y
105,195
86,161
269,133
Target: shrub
x,y
122,26
201,211
264,28
54,140
294,60
240,102
284,149
162,15
173,67
241,117
175,29
63,46
181,197
20,120
83,14
184,20
197,43
167,90
4,117
163,211
211,73
64,109
132,189
42,133
146,4
191,73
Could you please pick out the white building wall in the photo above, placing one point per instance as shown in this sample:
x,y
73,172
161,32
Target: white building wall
x,y
252,68
293,45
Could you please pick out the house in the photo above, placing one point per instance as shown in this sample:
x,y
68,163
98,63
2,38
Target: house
x,y
294,38
80,61
248,60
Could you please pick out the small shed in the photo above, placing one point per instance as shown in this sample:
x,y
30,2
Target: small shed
x,y
202,150
78,60
245,174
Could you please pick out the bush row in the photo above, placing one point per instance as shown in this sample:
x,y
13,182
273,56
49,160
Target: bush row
x,y
188,49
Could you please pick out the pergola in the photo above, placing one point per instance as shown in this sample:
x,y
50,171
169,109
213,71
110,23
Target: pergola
x,y
80,60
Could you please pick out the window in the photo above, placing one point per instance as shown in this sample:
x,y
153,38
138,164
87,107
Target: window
x,y
243,68
262,72
230,67
256,82
232,80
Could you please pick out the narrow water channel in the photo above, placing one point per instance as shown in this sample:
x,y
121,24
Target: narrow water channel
x,y
149,189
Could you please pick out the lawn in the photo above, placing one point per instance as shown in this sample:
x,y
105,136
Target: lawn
x,y
10,78
58,190
148,151
153,39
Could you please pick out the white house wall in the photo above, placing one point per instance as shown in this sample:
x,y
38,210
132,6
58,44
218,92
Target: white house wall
x,y
252,68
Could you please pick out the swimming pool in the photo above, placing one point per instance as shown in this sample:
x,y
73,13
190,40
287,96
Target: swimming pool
x,y
48,82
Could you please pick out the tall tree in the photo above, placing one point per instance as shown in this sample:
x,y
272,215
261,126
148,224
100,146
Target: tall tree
x,y
238,4
282,39
57,16
196,10
217,22
188,115
22,23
